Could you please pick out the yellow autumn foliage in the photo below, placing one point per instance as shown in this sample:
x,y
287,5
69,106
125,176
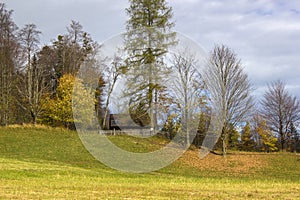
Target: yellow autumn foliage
x,y
59,109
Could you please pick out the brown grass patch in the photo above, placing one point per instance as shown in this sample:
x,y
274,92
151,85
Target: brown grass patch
x,y
239,162
33,126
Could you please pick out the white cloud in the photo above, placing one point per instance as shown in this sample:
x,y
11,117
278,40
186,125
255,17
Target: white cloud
x,y
265,34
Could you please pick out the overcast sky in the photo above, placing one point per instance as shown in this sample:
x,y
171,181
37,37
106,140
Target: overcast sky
x,y
265,34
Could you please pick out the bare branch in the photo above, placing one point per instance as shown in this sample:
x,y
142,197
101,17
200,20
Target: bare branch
x,y
229,88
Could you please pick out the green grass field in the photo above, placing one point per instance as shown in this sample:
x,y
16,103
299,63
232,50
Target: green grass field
x,y
46,163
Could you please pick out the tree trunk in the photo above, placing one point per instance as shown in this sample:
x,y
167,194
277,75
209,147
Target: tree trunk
x,y
282,145
33,115
224,149
224,142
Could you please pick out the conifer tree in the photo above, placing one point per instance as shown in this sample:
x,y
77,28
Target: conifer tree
x,y
295,140
147,40
247,141
233,137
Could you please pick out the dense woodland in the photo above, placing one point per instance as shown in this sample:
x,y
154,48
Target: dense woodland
x,y
37,83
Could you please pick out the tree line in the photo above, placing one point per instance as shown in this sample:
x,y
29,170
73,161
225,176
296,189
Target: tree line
x,y
31,74
37,83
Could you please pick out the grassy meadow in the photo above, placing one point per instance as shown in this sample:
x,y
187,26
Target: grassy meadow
x,y
48,163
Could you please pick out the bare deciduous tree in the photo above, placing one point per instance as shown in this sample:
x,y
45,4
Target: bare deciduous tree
x,y
30,88
229,88
29,37
8,53
31,94
112,71
187,86
280,109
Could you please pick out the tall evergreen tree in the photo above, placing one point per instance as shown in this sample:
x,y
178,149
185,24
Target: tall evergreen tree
x,y
294,142
233,137
148,37
247,141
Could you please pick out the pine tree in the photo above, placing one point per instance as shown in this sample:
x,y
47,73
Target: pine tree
x,y
99,100
247,143
233,137
171,126
147,40
204,121
295,140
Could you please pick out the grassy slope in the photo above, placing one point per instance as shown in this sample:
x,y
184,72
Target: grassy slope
x,y
52,163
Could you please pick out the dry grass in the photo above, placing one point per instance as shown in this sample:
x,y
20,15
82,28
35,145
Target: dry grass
x,y
31,126
243,163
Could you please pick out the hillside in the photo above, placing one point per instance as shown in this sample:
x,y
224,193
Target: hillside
x,y
52,163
